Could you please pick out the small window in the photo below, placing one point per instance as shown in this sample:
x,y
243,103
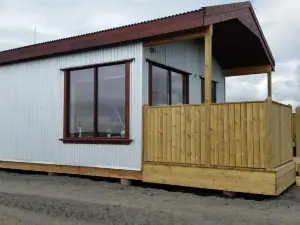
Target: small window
x,y
213,91
167,86
97,104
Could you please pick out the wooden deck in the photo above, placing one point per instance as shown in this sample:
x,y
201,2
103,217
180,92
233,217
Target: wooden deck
x,y
218,146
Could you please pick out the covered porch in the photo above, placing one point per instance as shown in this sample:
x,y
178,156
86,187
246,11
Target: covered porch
x,y
231,146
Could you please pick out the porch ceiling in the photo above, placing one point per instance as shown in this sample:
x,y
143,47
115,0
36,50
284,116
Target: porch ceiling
x,y
234,46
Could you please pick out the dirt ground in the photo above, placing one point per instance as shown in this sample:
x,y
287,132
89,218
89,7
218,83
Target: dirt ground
x,y
41,199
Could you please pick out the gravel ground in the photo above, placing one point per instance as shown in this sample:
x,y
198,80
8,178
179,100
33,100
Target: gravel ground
x,y
40,199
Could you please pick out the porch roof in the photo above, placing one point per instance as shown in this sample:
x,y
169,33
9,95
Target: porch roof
x,y
238,40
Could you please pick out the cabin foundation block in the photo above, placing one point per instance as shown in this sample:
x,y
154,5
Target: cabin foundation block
x,y
125,182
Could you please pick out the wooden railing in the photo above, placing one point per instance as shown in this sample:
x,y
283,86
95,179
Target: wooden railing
x,y
296,130
246,134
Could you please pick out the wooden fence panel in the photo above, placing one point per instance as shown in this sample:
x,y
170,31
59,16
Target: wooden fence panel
x,y
281,134
297,130
247,134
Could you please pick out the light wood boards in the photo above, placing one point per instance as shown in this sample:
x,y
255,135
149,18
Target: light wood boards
x,y
246,181
246,134
176,37
247,70
78,170
280,117
297,130
285,176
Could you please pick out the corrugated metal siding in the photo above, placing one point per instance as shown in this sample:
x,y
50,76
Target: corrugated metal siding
x,y
31,112
188,56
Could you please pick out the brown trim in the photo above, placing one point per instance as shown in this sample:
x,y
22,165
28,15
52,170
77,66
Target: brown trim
x,y
169,87
186,80
167,67
96,139
127,99
95,101
148,31
115,141
213,89
150,84
78,170
98,65
170,69
66,104
176,37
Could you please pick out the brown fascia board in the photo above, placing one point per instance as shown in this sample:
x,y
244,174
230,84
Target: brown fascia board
x,y
130,33
136,32
241,11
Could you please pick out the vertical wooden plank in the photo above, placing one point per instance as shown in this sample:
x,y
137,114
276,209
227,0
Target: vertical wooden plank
x,y
188,134
221,134
250,140
150,135
237,127
212,135
153,134
160,134
145,133
283,134
174,137
178,135
268,135
198,135
169,135
164,135
203,134
244,135
232,135
208,93
226,135
193,134
182,135
263,133
256,133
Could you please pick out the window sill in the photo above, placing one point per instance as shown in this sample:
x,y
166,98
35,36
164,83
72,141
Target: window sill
x,y
116,141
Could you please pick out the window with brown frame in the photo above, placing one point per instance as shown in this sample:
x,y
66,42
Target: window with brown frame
x,y
167,85
213,91
96,102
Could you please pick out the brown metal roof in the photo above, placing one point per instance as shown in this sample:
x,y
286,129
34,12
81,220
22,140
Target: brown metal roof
x,y
229,20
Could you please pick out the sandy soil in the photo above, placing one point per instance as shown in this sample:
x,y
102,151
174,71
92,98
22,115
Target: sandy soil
x,y
40,199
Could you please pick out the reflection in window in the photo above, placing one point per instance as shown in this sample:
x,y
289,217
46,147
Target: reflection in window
x,y
160,80
97,102
213,91
167,86
81,103
177,88
111,101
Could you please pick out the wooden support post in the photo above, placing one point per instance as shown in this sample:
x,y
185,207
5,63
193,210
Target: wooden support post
x,y
208,92
268,154
297,131
270,85
208,65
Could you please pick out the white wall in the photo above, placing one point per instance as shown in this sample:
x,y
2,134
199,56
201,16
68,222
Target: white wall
x,y
31,112
187,56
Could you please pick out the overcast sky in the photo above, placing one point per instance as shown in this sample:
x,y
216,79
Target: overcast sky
x,y
55,19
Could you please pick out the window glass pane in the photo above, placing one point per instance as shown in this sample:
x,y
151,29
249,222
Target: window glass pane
x,y
111,101
177,88
81,103
159,86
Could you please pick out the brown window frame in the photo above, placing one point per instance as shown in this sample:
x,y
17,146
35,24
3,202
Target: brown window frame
x,y
66,116
213,91
170,69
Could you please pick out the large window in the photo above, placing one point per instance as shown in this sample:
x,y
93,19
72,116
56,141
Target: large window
x,y
97,104
167,86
